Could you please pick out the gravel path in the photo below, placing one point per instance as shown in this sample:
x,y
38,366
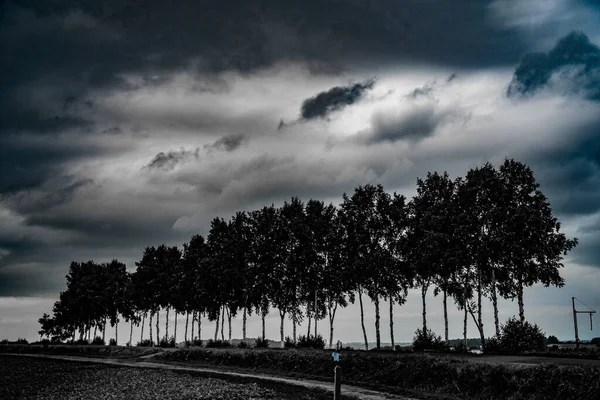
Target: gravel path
x,y
347,390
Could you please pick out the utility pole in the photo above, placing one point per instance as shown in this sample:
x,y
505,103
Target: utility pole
x,y
575,312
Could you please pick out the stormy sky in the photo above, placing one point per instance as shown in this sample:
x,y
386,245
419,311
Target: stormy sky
x,y
130,123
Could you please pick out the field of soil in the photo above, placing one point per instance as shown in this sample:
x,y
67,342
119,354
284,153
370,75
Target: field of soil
x,y
384,374
32,378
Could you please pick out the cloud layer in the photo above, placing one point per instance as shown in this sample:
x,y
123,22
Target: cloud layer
x,y
125,124
571,67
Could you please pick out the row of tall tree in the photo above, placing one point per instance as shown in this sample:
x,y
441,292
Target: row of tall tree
x,y
485,235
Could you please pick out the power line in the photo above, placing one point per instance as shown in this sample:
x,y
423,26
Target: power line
x,y
584,304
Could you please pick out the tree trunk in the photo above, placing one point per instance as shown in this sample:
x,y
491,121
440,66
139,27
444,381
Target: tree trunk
x,y
495,304
392,323
142,330
150,328
229,321
131,332
244,318
520,299
223,324
446,316
263,325
316,314
331,318
199,319
362,318
193,321
309,321
282,315
104,331
167,325
158,327
175,328
187,323
466,317
95,327
423,294
217,328
479,327
465,328
117,332
377,317
479,306
294,328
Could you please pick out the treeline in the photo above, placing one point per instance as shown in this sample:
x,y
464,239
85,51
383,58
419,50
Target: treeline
x,y
485,235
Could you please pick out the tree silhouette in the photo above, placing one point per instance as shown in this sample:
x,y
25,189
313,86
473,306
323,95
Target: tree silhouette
x,y
364,217
429,237
533,245
265,258
488,234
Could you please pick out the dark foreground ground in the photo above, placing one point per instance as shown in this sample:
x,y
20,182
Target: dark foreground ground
x,y
30,378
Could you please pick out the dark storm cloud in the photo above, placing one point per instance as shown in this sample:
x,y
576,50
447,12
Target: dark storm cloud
x,y
334,99
587,251
570,174
26,280
57,191
63,51
415,125
228,143
25,165
107,230
423,91
168,161
573,65
74,46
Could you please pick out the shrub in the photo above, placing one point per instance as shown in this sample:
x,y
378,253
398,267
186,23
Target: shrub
x,y
167,342
112,342
4,341
401,349
217,343
80,341
461,348
262,343
197,342
552,340
427,340
289,343
596,341
493,345
311,341
145,343
243,345
22,341
98,340
519,337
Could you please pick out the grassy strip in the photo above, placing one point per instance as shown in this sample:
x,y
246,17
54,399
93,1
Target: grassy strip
x,y
81,350
417,374
420,375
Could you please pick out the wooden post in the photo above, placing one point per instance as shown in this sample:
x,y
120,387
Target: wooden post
x,y
575,321
337,394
